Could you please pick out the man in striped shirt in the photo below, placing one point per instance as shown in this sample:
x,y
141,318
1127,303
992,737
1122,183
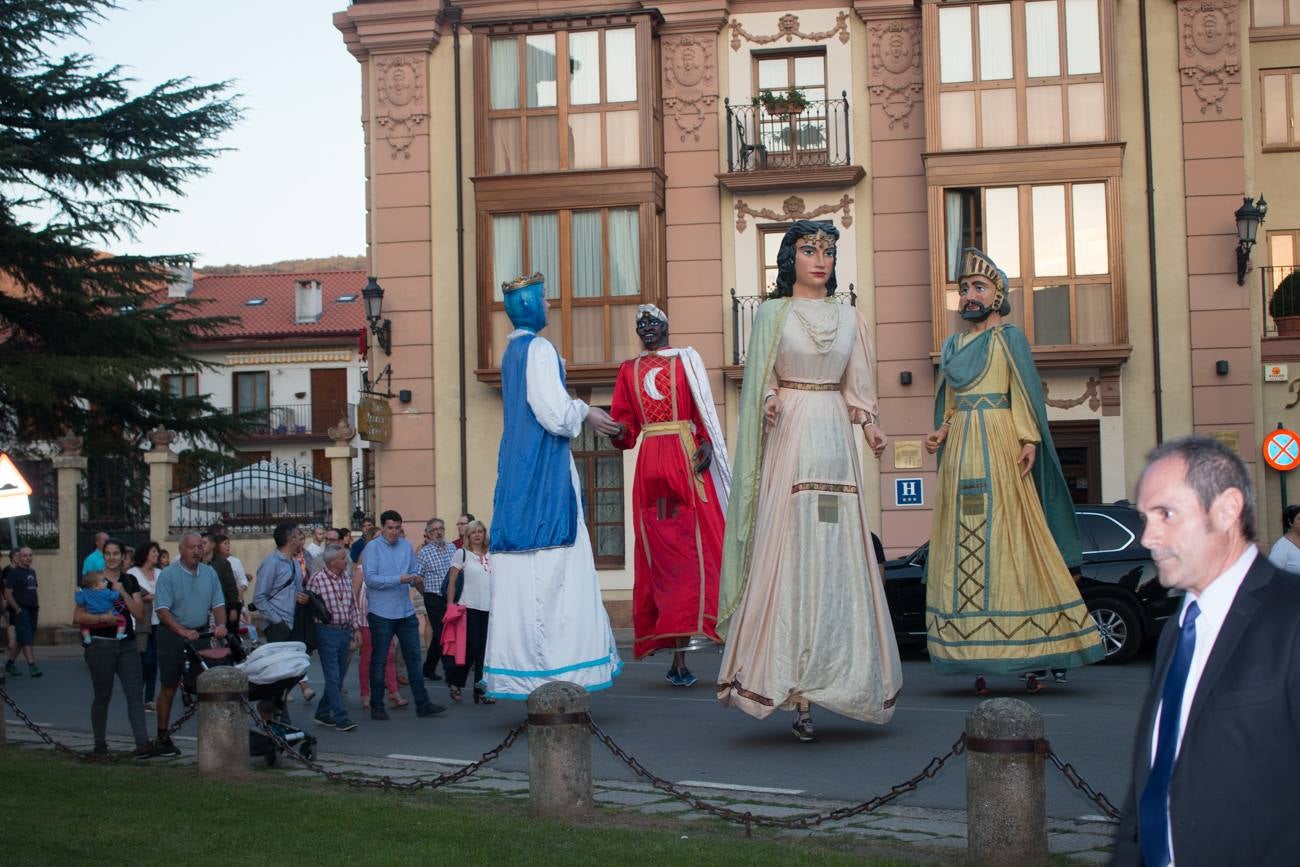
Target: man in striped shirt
x,y
333,585
432,564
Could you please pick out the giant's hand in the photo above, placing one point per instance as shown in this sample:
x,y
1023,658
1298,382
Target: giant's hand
x,y
876,439
771,409
703,456
1028,452
600,421
935,438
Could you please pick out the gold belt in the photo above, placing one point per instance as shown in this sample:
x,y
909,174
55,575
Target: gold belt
x,y
809,386
660,428
681,429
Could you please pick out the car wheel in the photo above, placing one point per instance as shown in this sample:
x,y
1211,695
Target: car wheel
x,y
1120,628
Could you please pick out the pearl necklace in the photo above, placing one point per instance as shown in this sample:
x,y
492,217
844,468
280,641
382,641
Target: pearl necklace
x,y
823,328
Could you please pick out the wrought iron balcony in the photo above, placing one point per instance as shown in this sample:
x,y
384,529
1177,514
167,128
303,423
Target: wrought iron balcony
x,y
759,140
1279,287
743,308
297,420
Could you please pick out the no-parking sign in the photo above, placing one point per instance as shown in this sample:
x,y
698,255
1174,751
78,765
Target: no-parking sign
x,y
1282,450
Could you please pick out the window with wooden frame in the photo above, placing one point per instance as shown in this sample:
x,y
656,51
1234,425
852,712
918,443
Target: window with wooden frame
x,y
1280,106
600,478
1056,245
1275,13
1024,73
800,138
596,262
769,244
538,121
180,384
1283,255
252,390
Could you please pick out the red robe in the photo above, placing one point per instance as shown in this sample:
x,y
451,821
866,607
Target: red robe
x,y
678,519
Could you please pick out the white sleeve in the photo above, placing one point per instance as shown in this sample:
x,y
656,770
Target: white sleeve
x,y
555,410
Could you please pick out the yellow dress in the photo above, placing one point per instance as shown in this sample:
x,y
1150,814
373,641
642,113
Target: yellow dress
x,y
999,596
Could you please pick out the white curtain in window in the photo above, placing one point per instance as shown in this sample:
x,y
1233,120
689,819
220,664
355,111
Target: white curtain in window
x,y
624,252
620,65
584,67
1091,254
995,42
1082,37
1049,231
539,54
544,249
1002,228
507,251
1042,39
955,61
588,250
503,72
952,214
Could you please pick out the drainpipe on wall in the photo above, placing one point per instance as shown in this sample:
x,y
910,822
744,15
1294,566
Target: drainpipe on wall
x,y
1151,221
453,14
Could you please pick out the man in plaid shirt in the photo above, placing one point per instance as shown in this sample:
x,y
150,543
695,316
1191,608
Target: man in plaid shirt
x,y
432,564
334,586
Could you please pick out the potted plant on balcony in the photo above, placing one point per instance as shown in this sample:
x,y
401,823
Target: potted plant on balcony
x,y
778,103
1284,306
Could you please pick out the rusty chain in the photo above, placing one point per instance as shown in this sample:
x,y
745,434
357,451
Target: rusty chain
x,y
1082,785
81,755
386,782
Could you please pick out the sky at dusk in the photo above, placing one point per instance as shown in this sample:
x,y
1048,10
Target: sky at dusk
x,y
293,184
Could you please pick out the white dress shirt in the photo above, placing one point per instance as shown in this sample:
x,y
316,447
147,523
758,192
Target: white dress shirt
x,y
1214,604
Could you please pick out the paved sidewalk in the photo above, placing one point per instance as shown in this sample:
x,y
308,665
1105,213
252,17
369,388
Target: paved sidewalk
x,y
1086,840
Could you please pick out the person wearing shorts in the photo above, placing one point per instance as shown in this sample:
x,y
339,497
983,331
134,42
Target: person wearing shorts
x,y
24,607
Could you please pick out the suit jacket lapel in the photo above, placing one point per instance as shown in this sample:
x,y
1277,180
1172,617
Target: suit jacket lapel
x,y
1234,627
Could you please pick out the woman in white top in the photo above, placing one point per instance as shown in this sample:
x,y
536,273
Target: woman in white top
x,y
145,569
469,583
1286,550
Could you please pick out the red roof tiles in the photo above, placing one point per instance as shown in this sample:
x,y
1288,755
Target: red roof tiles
x,y
227,295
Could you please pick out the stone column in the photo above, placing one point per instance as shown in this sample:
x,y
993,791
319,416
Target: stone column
x,y
559,751
340,456
70,467
1006,794
223,722
161,461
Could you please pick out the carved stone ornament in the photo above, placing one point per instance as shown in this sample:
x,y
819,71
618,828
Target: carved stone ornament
x,y
1211,53
69,445
400,84
894,82
1090,394
793,209
788,28
161,438
689,82
342,433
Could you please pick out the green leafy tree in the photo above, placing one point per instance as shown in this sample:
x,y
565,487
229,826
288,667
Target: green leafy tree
x,y
84,164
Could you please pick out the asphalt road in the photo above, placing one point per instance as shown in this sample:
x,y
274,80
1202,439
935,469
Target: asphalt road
x,y
683,734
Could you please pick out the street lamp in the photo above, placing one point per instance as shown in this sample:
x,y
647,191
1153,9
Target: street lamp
x,y
373,296
1248,217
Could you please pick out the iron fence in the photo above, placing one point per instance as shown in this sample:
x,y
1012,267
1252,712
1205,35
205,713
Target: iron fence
x,y
816,135
1279,287
40,528
254,499
363,498
297,419
743,309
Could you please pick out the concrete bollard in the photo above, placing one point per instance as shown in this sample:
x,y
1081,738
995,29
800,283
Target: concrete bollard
x,y
223,722
1006,794
559,751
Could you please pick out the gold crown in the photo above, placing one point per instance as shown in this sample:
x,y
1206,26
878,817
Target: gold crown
x,y
821,238
522,281
975,263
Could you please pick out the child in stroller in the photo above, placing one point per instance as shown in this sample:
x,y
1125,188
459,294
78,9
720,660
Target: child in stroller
x,y
272,670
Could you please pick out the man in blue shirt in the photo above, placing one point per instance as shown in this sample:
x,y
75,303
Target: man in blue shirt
x,y
187,592
389,570
362,539
279,584
94,561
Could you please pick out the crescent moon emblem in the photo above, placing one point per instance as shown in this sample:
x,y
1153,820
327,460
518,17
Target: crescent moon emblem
x,y
651,386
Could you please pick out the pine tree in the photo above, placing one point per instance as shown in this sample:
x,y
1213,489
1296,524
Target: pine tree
x,y
84,164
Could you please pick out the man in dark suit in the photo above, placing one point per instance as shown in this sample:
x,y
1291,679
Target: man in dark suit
x,y
1216,768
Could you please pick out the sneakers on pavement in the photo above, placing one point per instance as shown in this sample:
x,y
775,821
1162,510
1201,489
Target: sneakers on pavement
x,y
671,676
803,729
346,725
165,747
34,670
1058,677
378,713
685,678
429,709
12,670
328,723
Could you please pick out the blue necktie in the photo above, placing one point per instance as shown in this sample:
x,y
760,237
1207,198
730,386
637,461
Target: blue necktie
x,y
1154,805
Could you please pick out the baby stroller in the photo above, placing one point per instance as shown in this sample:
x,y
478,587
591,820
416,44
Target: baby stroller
x,y
272,671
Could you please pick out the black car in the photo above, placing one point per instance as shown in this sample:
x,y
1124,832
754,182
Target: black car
x,y
1118,582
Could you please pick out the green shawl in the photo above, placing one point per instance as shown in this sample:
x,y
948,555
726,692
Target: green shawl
x,y
959,366
747,462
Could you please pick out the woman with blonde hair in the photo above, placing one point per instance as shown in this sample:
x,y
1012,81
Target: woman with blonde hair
x,y
469,584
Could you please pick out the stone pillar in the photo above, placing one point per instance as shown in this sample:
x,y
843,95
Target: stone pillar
x,y
161,461
1006,795
223,722
70,466
340,456
559,751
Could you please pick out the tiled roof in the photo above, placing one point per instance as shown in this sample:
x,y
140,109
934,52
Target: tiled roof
x,y
228,295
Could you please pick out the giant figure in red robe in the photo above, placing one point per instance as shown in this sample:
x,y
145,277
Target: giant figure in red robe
x,y
680,493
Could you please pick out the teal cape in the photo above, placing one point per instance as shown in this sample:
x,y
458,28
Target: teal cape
x,y
959,366
747,462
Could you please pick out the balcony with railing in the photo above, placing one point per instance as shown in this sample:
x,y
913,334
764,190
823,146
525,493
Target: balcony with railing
x,y
296,421
743,310
770,149
1279,288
